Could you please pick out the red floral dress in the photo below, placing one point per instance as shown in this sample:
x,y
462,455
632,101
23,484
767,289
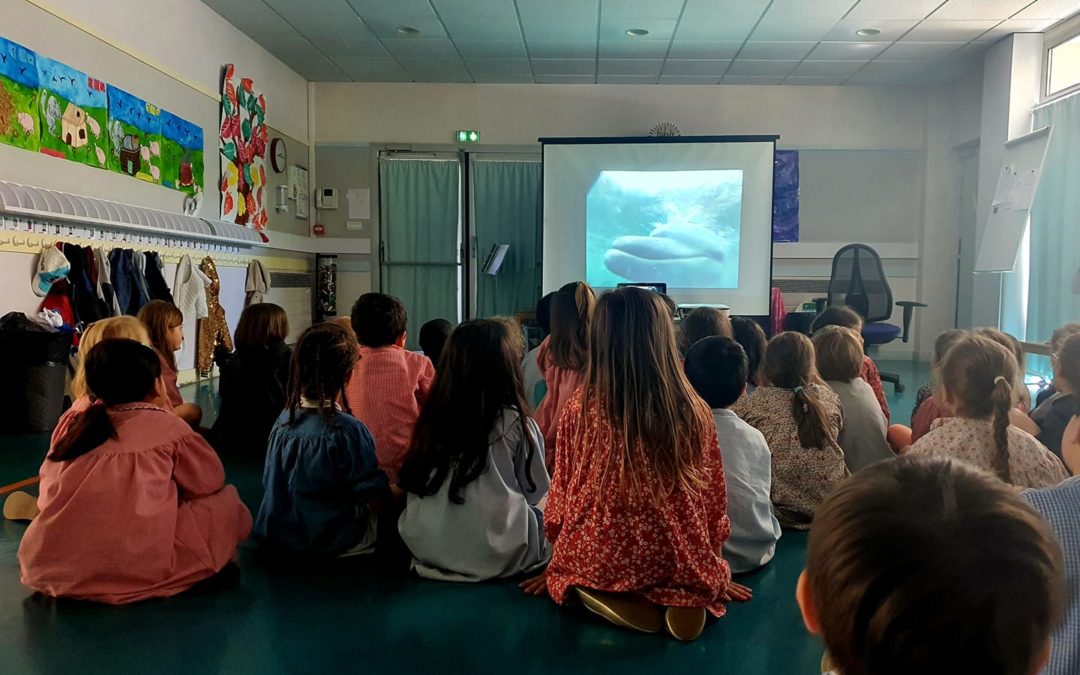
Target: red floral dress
x,y
611,540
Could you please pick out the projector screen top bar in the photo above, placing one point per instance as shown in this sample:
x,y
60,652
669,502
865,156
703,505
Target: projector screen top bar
x,y
600,140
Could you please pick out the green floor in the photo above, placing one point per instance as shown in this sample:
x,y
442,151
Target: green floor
x,y
364,620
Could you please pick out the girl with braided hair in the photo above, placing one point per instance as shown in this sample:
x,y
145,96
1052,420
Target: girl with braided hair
x,y
977,384
322,480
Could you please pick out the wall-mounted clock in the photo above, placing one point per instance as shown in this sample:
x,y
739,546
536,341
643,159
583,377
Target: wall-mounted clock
x,y
279,157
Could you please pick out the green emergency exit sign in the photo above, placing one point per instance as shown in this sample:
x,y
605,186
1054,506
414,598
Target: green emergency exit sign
x,y
468,136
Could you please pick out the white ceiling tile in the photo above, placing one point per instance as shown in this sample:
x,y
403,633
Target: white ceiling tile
x,y
254,19
615,29
1007,28
488,67
696,67
491,49
814,80
1054,10
843,69
640,67
776,50
761,68
710,29
749,79
632,49
919,51
642,9
486,8
564,66
339,47
436,70
482,28
561,49
725,11
810,9
333,19
778,28
880,10
564,79
949,31
688,79
413,9
299,54
891,29
557,9
386,27
846,51
558,29
704,50
973,10
364,69
626,79
432,49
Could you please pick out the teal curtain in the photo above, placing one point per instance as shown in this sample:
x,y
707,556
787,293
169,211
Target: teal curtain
x,y
506,210
1053,296
420,216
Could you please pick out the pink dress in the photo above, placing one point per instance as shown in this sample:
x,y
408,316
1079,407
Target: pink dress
x,y
145,515
669,552
561,385
386,391
168,373
64,423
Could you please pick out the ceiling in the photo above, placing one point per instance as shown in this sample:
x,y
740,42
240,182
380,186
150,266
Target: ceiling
x,y
586,42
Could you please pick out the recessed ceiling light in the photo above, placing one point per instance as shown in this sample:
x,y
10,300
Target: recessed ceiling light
x,y
637,32
868,32
408,30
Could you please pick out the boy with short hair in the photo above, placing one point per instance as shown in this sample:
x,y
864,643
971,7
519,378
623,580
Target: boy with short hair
x,y
840,315
717,368
389,385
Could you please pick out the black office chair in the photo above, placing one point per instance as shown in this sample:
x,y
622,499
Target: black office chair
x,y
858,281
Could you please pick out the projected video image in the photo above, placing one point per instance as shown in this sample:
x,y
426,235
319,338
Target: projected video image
x,y
679,227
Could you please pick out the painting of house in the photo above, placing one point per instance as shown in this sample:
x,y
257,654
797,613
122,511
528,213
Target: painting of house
x,y
130,162
73,126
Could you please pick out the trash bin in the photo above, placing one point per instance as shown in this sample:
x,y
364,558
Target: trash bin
x,y
33,399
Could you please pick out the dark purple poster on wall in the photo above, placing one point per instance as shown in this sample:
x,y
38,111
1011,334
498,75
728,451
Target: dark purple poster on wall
x,y
786,196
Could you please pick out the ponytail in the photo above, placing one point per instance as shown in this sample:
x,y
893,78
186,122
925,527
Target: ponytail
x,y
1002,398
810,419
91,429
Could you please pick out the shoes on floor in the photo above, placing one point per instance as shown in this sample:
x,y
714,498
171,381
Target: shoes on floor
x,y
684,623
624,610
20,506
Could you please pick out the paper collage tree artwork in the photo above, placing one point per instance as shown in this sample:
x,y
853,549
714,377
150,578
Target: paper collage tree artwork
x,y
19,120
243,138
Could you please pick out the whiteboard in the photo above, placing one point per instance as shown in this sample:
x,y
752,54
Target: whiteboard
x,y
1017,183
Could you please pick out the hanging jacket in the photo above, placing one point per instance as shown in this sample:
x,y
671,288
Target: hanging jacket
x,y
189,290
138,265
214,329
257,285
84,300
104,287
155,280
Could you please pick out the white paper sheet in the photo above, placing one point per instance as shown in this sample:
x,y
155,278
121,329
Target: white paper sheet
x,y
359,203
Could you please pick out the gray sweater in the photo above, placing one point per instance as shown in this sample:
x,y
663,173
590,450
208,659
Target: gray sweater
x,y
863,436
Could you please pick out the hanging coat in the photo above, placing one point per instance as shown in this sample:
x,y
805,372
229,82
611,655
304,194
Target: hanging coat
x,y
212,330
189,290
257,285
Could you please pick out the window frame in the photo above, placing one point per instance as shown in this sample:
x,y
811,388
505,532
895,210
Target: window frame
x,y
1055,36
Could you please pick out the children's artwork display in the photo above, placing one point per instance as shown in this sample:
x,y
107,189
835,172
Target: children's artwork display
x,y
786,196
134,136
181,154
243,138
19,120
74,113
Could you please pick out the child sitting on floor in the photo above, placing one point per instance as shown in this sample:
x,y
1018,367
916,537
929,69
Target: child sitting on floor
x,y
1056,340
800,418
562,357
253,381
534,392
1057,411
849,318
917,566
717,367
636,510
165,324
977,385
389,384
863,437
133,502
921,417
751,337
322,480
433,337
701,323
475,475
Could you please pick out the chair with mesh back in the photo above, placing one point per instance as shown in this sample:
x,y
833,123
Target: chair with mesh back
x,y
858,281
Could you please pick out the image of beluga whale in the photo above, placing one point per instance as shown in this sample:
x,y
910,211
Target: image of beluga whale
x,y
689,237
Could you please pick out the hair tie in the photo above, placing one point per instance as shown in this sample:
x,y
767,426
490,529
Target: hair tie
x,y
1000,378
797,389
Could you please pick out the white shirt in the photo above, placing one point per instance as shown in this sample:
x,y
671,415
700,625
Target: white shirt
x,y
748,471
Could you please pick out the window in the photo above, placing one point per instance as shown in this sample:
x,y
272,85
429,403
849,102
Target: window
x,y
1063,66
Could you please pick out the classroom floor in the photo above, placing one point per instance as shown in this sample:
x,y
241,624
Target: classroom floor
x,y
366,620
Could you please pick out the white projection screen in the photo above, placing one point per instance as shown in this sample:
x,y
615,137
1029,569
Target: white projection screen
x,y
693,212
